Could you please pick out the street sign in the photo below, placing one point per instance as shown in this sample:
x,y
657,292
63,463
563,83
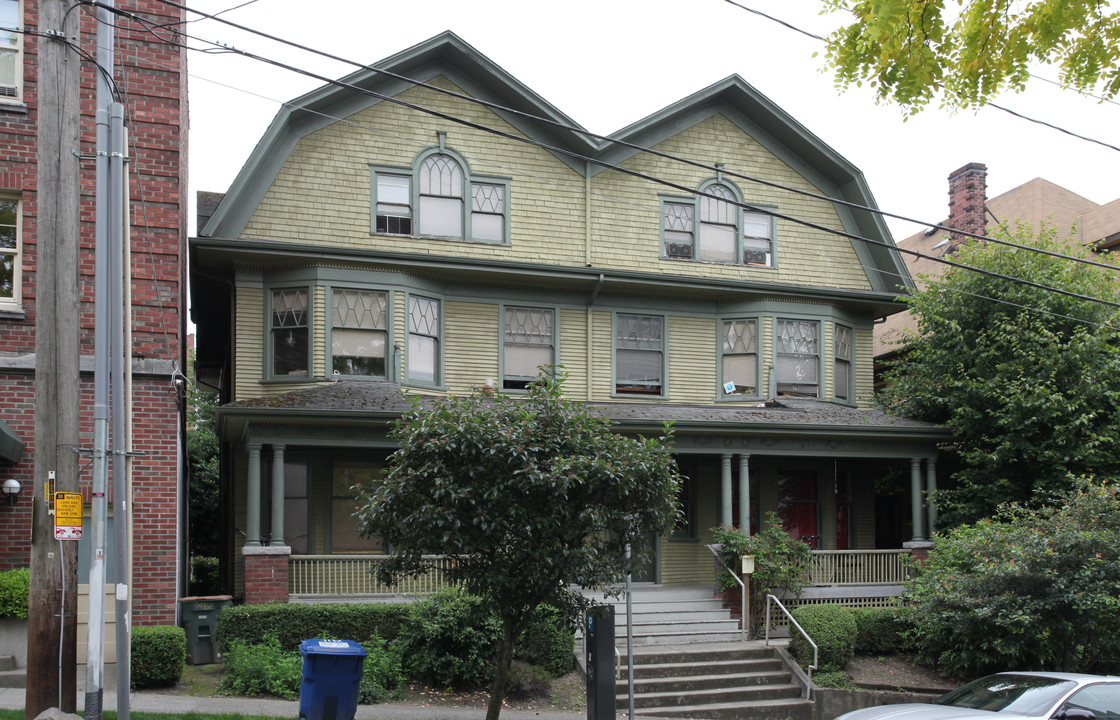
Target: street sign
x,y
67,516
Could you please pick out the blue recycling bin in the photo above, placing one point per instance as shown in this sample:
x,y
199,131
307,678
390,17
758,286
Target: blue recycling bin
x,y
332,673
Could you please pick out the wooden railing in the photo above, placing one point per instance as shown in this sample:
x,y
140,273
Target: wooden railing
x,y
356,575
858,567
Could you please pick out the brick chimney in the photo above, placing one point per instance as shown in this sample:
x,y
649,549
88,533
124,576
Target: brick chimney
x,y
968,196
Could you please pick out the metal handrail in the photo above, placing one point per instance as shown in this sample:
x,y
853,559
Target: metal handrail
x,y
742,591
794,623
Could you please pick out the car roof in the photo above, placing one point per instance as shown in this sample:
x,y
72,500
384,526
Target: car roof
x,y
1075,677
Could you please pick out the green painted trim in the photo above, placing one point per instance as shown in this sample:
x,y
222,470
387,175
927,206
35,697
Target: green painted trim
x,y
820,341
439,350
268,374
850,400
721,396
328,346
664,394
502,308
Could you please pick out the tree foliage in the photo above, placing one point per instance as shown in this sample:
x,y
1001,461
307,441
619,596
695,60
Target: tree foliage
x,y
1027,589
204,479
970,50
1024,377
524,495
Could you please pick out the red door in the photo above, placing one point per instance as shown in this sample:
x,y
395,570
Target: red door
x,y
798,505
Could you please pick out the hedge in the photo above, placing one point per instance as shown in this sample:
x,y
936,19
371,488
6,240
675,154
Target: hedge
x,y
158,655
292,623
832,628
14,586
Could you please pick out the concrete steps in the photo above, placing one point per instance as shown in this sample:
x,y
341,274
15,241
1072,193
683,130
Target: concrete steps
x,y
673,615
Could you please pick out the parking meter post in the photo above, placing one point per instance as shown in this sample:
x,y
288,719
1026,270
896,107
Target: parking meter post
x,y
599,634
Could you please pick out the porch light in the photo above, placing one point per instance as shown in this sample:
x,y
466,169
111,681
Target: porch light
x,y
11,488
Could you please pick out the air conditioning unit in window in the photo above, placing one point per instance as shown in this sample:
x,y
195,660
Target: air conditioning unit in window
x,y
678,250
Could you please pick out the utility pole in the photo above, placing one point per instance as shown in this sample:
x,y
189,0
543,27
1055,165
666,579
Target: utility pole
x,y
53,607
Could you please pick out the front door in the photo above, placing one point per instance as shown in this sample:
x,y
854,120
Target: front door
x,y
799,506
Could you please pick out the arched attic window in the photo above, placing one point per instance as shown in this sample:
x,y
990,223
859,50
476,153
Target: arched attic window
x,y
712,226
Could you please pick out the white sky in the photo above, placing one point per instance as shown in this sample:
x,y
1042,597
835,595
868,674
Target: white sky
x,y
609,63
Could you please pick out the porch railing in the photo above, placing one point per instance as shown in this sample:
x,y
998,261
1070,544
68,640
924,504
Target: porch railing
x,y
356,575
858,567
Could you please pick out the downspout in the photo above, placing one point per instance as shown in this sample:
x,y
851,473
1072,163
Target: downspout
x,y
587,261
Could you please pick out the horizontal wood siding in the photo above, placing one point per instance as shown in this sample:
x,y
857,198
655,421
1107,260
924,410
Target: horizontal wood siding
x,y
863,366
572,345
248,350
692,360
319,319
472,341
601,363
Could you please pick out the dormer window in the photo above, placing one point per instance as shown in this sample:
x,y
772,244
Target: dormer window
x,y
713,227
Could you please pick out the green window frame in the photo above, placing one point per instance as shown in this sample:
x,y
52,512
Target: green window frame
x,y
712,226
359,330
11,231
289,333
424,354
739,368
528,342
639,355
843,379
797,356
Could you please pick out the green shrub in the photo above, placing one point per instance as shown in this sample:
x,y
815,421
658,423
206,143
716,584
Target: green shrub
x,y
451,640
263,669
527,680
832,628
204,575
14,586
838,680
158,656
292,623
548,642
882,631
381,673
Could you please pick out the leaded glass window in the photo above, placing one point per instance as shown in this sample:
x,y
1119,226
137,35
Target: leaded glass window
x,y
718,224
359,332
441,197
422,360
528,345
488,208
740,356
639,354
842,349
797,350
289,332
677,221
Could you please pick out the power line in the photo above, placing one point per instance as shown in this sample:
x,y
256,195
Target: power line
x,y
605,164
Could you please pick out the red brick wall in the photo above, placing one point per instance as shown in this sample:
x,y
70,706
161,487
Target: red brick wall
x,y
968,197
266,577
151,76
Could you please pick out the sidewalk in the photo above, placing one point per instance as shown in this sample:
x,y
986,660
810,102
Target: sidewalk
x,y
151,702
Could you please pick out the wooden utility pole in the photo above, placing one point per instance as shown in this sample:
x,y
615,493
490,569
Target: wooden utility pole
x,y
53,613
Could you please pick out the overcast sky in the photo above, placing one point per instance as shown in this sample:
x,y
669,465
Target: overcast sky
x,y
609,63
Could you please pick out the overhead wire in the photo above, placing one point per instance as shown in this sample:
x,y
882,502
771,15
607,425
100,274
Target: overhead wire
x,y
588,159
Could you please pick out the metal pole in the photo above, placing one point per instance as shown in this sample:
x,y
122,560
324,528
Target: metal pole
x,y
102,349
629,634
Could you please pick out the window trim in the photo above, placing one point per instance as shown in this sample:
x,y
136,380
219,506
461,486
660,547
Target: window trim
x,y
555,352
329,347
469,179
269,353
664,394
850,398
778,319
438,368
721,394
695,202
15,302
15,97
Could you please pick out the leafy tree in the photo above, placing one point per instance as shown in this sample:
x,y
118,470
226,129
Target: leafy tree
x,y
1027,589
909,50
524,495
1026,378
204,478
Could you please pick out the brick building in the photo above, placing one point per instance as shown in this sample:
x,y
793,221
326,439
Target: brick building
x,y
150,77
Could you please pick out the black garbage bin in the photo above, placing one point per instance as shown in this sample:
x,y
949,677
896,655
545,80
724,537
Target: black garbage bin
x,y
332,673
200,621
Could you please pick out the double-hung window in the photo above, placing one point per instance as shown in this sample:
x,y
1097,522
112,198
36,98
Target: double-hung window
x,y
9,253
439,198
739,353
797,354
712,226
528,345
359,332
11,51
290,314
842,353
422,362
639,360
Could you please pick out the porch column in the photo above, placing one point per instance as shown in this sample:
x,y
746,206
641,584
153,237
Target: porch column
x,y
725,486
931,487
277,495
253,499
916,516
745,493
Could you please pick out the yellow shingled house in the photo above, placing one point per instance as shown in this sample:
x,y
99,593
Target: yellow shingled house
x,y
435,226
